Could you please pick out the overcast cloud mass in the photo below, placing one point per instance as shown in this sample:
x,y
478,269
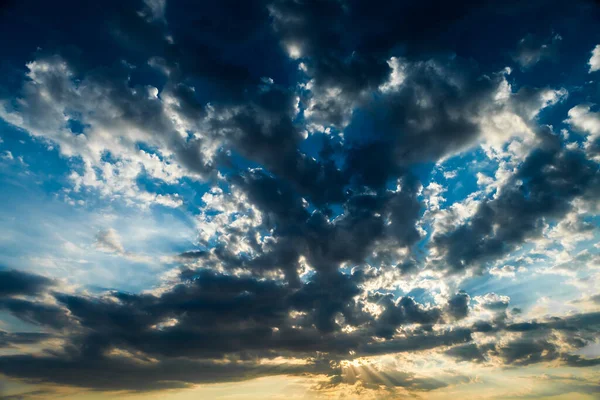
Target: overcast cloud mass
x,y
299,199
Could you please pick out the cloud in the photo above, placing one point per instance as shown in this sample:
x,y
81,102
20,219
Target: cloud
x,y
583,119
14,285
13,282
212,316
542,188
114,118
507,271
468,352
156,9
405,311
209,317
36,313
459,305
594,62
8,339
536,342
493,301
106,373
524,352
532,49
109,241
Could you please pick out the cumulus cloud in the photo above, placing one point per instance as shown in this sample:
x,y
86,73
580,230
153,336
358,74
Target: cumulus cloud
x,y
111,118
582,118
594,62
214,316
543,187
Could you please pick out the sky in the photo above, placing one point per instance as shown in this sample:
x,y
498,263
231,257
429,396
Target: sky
x,y
294,199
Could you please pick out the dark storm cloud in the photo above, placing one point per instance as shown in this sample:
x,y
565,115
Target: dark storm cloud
x,y
578,322
130,374
387,218
578,361
211,316
438,109
577,330
418,342
458,305
526,351
216,316
210,44
539,341
483,326
405,311
8,339
468,352
318,298
543,188
37,313
337,28
332,64
263,131
433,113
14,282
344,44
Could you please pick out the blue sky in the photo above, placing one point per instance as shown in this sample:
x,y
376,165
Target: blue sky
x,y
311,199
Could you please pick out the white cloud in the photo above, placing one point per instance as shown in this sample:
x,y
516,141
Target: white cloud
x,y
447,219
507,271
582,118
491,298
450,174
115,118
155,10
434,196
397,76
109,241
594,62
484,180
233,210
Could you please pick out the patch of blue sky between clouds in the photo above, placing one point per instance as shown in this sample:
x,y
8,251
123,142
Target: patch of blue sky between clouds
x,y
50,231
